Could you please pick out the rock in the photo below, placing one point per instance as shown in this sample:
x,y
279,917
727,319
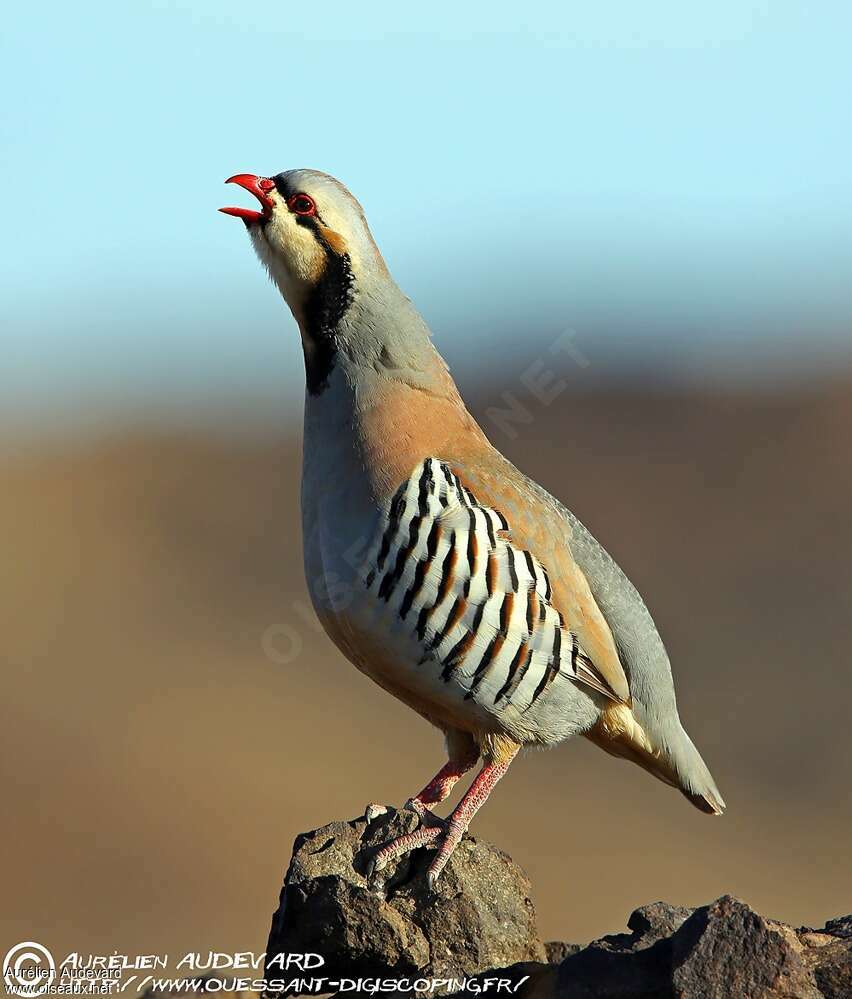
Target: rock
x,y
480,923
480,915
558,950
726,949
829,955
619,966
720,951
656,921
634,964
841,927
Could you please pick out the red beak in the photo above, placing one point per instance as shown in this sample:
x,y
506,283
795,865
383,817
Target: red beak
x,y
260,188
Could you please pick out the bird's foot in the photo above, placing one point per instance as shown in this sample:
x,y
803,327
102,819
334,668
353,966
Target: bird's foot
x,y
434,833
422,836
427,816
454,830
443,835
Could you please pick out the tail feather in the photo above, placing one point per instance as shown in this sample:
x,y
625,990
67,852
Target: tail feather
x,y
674,760
695,780
708,802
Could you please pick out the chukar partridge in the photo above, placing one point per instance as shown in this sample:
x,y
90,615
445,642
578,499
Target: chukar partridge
x,y
436,567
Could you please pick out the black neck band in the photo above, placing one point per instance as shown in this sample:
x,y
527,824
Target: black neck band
x,y
325,308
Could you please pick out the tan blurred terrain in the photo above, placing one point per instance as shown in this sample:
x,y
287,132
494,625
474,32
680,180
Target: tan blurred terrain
x,y
157,763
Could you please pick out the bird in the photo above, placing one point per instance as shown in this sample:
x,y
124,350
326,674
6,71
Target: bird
x,y
444,574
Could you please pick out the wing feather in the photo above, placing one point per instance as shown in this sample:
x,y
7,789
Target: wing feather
x,y
457,569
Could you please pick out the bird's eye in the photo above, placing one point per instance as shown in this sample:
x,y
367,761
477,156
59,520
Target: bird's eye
x,y
301,204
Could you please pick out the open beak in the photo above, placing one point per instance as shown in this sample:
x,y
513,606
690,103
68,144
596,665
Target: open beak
x,y
260,188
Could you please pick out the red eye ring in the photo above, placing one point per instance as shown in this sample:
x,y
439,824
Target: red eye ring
x,y
301,204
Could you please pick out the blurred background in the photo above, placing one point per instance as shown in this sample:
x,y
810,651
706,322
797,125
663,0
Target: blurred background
x,y
652,203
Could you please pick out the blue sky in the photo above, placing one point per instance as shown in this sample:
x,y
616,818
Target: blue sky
x,y
671,181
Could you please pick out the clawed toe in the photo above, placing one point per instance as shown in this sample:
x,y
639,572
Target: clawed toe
x,y
424,836
449,841
427,816
373,811
443,836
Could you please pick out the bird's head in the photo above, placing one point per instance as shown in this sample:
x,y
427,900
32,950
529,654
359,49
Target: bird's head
x,y
312,237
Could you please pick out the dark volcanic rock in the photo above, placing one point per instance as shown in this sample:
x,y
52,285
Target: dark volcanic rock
x,y
480,923
558,950
480,916
841,927
656,921
635,964
828,952
726,949
720,951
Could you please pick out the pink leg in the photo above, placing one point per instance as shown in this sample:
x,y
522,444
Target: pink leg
x,y
439,787
460,819
436,791
477,795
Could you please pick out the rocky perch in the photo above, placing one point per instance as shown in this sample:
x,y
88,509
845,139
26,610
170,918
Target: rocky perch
x,y
480,923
